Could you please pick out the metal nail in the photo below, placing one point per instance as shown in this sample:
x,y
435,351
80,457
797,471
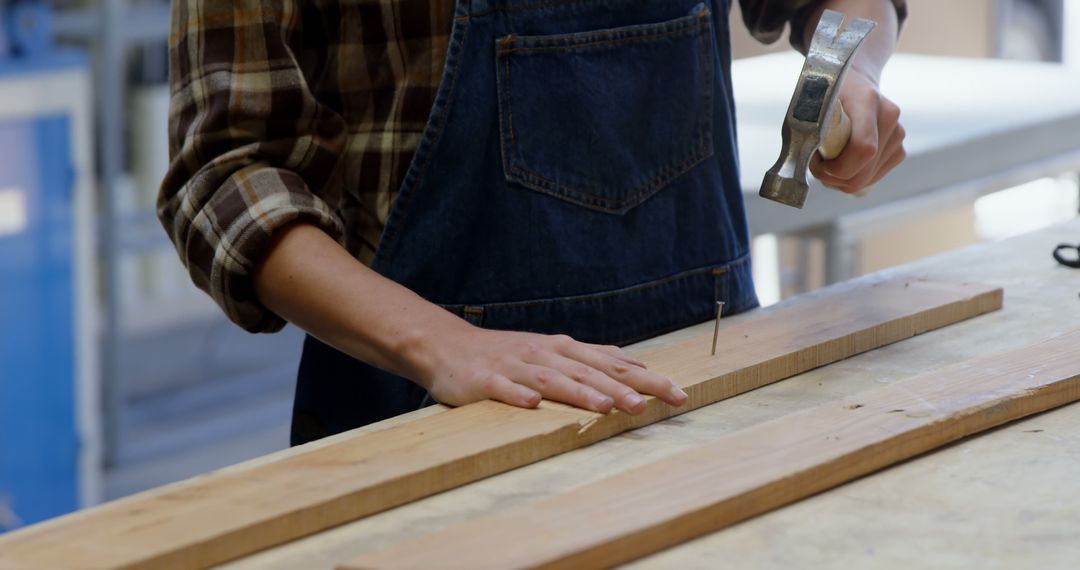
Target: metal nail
x,y
716,326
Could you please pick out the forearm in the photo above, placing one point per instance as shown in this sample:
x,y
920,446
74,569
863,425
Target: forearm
x,y
310,280
880,45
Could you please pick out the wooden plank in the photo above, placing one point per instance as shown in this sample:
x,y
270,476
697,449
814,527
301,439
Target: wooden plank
x,y
226,515
754,470
993,501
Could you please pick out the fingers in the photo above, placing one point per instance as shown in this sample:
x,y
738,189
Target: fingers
x,y
617,352
634,377
520,369
861,148
557,386
890,154
625,397
897,157
889,158
876,143
602,370
502,389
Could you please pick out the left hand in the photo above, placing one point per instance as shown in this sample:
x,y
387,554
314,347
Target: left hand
x,y
877,138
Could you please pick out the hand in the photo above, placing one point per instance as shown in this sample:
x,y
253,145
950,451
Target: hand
x,y
470,364
312,281
877,138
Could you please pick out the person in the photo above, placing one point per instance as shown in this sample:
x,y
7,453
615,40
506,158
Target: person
x,y
478,199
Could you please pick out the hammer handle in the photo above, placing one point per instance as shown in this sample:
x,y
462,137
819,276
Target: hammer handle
x,y
836,137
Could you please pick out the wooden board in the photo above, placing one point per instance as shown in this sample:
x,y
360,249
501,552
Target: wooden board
x,y
992,502
223,516
754,470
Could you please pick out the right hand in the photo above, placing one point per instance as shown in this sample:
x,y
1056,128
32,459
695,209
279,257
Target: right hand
x,y
471,364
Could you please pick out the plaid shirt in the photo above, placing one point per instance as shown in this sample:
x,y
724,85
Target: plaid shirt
x,y
308,110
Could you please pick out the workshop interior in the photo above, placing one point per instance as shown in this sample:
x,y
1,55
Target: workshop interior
x,y
119,376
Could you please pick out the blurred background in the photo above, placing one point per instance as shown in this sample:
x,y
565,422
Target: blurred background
x,y
117,375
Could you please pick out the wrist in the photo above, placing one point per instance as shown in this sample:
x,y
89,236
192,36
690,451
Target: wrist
x,y
868,70
420,348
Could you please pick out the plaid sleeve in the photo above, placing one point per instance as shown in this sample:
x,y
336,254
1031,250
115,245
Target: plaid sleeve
x,y
251,149
766,18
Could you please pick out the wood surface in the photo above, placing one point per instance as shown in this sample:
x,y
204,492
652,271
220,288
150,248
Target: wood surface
x,y
993,502
751,471
223,516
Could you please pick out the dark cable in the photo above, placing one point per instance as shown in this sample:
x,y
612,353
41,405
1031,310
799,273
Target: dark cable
x,y
1072,260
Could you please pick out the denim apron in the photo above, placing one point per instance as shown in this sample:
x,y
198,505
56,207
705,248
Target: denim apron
x,y
577,175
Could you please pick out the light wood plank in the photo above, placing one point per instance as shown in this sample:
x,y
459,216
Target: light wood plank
x,y
993,502
754,470
230,514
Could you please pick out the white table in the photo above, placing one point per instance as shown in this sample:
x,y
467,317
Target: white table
x,y
974,127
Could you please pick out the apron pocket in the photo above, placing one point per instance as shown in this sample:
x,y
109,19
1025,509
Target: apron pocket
x,y
605,119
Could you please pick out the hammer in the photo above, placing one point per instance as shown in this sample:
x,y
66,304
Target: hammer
x,y
815,119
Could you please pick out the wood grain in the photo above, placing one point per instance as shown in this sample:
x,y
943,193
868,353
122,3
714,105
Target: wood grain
x,y
223,516
754,470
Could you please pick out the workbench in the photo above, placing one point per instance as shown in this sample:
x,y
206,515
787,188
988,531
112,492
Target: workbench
x,y
964,118
1003,499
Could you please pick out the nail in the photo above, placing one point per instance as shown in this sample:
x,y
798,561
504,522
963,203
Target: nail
x,y
716,326
602,403
634,401
679,394
531,399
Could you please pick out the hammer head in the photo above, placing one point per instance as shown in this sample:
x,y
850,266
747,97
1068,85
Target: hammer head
x,y
813,104
791,191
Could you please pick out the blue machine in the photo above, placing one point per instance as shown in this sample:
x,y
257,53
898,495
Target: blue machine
x,y
40,441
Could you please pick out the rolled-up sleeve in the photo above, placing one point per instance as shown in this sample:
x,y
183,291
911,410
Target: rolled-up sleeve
x,y
766,18
251,149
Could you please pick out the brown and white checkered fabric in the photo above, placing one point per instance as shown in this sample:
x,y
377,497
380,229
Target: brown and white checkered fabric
x,y
304,110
